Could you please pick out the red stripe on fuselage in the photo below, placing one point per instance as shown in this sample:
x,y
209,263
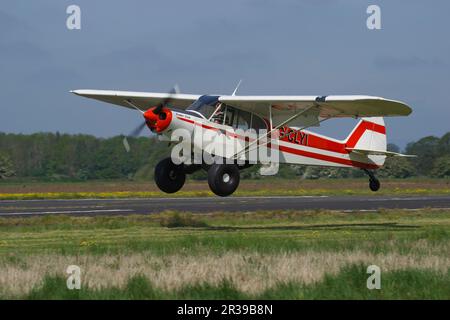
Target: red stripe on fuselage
x,y
338,147
328,158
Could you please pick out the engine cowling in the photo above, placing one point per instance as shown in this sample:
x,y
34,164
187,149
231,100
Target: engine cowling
x,y
158,122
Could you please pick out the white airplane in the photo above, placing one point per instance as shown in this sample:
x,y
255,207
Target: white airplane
x,y
284,117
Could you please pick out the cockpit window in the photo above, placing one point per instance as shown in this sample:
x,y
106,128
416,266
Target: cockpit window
x,y
205,105
258,123
238,119
210,108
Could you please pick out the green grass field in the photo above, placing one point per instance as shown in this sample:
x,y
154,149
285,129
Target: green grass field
x,y
273,255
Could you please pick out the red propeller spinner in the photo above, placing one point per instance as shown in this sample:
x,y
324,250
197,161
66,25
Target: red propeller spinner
x,y
158,119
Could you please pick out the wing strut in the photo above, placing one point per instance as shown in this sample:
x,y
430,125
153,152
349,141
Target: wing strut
x,y
305,127
295,116
128,102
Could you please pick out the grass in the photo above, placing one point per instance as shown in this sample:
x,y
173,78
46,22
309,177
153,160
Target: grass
x,y
178,221
270,254
262,231
350,283
20,190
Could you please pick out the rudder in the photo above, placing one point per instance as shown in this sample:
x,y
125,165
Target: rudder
x,y
369,134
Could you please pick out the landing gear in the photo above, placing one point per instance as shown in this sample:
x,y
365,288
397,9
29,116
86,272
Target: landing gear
x,y
223,179
374,183
191,168
169,177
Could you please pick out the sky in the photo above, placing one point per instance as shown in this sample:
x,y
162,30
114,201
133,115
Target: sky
x,y
279,47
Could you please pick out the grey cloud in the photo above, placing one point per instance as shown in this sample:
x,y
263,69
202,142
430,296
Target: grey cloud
x,y
389,63
22,50
143,56
10,25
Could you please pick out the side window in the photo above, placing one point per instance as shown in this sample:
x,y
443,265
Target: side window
x,y
206,110
229,116
219,114
258,123
238,119
244,120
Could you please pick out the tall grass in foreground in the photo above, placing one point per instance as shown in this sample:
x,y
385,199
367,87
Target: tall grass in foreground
x,y
251,273
269,254
350,283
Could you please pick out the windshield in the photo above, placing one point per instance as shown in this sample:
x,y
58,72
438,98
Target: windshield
x,y
205,105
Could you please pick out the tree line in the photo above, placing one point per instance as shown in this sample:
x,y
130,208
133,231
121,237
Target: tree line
x,y
55,156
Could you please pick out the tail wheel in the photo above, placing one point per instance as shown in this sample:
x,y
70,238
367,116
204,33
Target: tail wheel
x,y
223,179
374,184
169,177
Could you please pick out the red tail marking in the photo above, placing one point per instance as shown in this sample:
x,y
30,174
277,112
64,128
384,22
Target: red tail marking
x,y
357,134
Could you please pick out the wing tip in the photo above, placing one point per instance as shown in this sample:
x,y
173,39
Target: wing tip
x,y
407,109
78,92
88,92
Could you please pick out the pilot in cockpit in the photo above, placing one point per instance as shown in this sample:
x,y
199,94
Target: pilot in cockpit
x,y
219,115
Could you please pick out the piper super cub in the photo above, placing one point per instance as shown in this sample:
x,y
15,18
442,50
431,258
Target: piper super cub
x,y
282,119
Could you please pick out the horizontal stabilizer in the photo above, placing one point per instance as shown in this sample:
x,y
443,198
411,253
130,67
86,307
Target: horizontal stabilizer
x,y
379,153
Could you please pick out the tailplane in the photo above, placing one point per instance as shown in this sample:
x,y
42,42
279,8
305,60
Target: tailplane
x,y
369,138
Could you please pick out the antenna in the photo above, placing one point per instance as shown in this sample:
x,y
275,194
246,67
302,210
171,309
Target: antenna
x,y
237,87
176,88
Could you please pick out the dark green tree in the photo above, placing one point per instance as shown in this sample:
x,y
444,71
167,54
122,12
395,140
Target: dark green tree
x,y
397,167
81,157
393,147
6,166
427,150
441,168
444,145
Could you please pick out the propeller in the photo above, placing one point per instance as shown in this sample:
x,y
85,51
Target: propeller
x,y
133,134
167,100
156,110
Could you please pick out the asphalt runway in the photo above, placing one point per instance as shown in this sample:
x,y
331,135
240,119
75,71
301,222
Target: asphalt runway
x,y
211,204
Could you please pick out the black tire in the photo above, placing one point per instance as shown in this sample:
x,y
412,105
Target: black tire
x,y
223,179
374,184
169,177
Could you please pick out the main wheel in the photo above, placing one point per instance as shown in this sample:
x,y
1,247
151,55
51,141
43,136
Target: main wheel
x,y
374,184
169,177
223,179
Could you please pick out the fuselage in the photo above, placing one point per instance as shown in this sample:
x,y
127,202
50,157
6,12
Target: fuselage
x,y
294,146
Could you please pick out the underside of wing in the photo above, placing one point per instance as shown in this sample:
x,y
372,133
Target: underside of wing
x,y
142,100
284,107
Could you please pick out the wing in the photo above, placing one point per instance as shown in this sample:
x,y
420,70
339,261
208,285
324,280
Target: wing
x,y
284,107
143,100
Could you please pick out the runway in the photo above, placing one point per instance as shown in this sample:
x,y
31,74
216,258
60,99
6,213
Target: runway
x,y
212,204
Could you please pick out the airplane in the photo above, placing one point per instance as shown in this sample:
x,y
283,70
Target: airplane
x,y
283,119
